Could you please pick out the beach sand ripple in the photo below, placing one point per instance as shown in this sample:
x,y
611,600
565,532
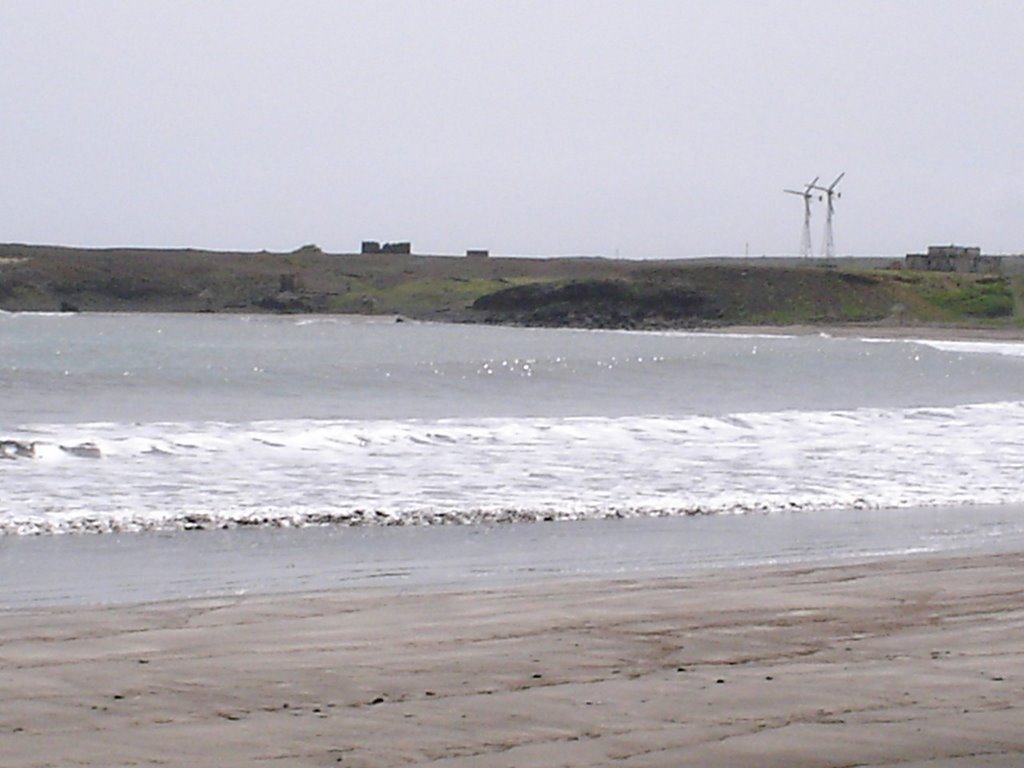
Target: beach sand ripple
x,y
908,661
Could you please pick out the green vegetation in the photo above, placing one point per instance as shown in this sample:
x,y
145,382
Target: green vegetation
x,y
985,298
588,292
953,298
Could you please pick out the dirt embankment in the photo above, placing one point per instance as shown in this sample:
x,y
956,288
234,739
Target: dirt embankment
x,y
578,292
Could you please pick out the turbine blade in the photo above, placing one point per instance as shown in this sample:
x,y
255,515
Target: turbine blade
x,y
833,184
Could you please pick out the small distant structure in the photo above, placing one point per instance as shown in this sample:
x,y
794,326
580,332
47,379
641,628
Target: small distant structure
x,y
373,246
961,259
831,195
477,253
807,195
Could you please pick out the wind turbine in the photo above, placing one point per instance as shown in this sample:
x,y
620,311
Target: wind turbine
x,y
830,193
807,195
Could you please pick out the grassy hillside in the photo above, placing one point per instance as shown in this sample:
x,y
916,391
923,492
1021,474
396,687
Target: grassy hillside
x,y
585,292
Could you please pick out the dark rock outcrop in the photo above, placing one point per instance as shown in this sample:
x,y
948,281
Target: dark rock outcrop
x,y
17,449
599,304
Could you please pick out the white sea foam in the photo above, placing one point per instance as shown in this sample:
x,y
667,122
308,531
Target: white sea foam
x,y
297,472
1005,348
279,421
1008,348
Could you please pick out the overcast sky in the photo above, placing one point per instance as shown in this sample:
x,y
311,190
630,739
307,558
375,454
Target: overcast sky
x,y
644,128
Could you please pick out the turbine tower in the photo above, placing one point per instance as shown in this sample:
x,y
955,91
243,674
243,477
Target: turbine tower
x,y
830,194
807,195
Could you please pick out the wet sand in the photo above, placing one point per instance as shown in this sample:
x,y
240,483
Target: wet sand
x,y
903,661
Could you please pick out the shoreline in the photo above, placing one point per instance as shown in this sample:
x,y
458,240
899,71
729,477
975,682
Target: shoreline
x,y
899,331
912,659
124,569
895,332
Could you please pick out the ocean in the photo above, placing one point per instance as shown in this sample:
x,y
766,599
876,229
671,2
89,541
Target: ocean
x,y
149,428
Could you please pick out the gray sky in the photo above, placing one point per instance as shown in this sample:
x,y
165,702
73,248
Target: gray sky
x,y
647,128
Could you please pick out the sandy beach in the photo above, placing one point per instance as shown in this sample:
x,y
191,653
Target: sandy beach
x,y
905,661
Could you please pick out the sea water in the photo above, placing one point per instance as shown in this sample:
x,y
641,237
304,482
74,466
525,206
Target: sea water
x,y
133,423
162,421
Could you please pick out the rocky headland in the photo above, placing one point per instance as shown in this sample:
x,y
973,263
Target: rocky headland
x,y
568,291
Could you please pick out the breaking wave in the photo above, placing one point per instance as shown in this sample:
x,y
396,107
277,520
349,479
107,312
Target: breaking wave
x,y
109,476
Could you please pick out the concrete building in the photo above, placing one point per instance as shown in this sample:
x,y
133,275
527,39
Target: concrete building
x,y
956,258
372,246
